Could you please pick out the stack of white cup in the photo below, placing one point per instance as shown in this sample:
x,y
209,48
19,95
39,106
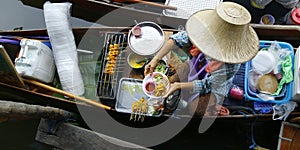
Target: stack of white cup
x,y
57,18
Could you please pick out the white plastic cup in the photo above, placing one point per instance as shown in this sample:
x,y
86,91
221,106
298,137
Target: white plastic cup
x,y
267,19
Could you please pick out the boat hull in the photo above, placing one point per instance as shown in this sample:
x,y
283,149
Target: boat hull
x,y
289,34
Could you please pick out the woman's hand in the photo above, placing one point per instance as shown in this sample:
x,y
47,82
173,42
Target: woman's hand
x,y
165,49
174,87
179,85
149,68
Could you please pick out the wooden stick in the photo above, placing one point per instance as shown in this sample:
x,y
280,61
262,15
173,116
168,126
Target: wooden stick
x,y
47,87
148,3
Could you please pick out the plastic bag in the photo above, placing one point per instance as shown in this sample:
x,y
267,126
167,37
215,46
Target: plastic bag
x,y
282,111
288,3
260,3
279,54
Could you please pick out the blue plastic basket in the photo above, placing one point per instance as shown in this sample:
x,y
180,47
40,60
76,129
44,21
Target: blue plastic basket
x,y
250,95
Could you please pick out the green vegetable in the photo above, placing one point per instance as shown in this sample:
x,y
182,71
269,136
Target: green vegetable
x,y
161,67
158,78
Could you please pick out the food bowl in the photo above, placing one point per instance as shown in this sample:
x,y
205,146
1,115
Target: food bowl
x,y
162,84
137,31
136,61
150,87
162,66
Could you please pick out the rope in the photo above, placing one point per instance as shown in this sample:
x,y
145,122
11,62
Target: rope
x,y
252,130
53,124
253,145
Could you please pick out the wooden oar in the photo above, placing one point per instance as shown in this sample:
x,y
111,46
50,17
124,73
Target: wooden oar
x,y
47,87
147,3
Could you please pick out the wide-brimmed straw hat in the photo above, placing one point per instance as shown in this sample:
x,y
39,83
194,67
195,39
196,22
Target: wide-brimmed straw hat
x,y
224,33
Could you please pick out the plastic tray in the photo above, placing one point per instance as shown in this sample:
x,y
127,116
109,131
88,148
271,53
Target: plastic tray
x,y
150,41
130,90
288,94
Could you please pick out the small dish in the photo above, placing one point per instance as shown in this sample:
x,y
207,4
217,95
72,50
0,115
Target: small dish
x,y
150,87
136,61
137,31
162,66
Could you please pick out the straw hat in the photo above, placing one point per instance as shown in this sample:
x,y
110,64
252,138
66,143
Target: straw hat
x,y
224,34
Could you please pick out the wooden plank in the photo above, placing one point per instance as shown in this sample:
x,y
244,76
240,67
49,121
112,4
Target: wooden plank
x,y
289,136
68,136
8,73
21,111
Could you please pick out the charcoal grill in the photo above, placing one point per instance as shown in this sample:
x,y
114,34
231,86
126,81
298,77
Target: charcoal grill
x,y
108,78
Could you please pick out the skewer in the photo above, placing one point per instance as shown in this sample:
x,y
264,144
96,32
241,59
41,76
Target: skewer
x,y
115,70
103,84
106,65
106,51
112,64
108,81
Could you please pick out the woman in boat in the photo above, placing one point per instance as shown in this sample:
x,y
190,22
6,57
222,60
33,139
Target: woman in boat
x,y
226,38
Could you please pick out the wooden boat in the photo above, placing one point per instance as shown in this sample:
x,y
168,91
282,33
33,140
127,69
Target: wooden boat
x,y
106,12
93,39
112,13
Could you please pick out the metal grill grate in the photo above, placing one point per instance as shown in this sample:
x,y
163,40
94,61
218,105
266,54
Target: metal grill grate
x,y
110,73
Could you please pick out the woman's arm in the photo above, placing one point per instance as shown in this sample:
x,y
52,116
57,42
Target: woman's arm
x,y
165,49
179,85
180,39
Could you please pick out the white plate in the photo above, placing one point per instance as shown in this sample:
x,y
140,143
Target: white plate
x,y
150,78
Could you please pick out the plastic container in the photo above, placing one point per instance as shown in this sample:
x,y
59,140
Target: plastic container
x,y
253,77
289,86
260,4
137,31
259,62
267,19
35,61
293,17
